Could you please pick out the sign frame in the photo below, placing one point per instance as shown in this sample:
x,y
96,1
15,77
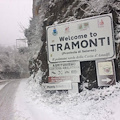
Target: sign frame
x,y
83,20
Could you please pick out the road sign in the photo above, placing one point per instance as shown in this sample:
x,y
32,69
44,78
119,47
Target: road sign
x,y
57,86
107,80
64,78
64,69
81,40
105,72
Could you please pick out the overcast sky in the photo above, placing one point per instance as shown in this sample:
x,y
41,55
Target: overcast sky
x,y
14,15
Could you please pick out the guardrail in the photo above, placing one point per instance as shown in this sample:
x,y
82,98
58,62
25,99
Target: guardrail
x,y
3,81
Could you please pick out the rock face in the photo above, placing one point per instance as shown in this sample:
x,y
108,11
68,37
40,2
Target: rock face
x,y
48,12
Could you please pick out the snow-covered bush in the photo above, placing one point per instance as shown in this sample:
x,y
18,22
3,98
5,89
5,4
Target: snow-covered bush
x,y
13,64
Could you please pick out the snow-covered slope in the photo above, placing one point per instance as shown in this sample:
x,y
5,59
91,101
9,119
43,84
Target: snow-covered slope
x,y
50,12
98,104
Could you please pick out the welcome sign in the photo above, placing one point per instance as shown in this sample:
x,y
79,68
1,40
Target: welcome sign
x,y
81,40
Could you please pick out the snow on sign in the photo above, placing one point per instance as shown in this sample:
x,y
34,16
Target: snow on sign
x,y
64,69
82,40
105,73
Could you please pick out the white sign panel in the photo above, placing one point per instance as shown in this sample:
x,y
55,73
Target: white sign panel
x,y
75,88
82,40
58,86
64,69
63,78
105,68
106,73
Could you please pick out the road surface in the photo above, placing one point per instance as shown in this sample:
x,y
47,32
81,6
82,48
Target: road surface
x,y
7,96
16,104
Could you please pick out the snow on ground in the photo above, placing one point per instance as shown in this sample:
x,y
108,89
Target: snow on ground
x,y
98,104
27,107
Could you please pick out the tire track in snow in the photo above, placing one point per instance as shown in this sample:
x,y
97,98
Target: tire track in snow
x,y
7,96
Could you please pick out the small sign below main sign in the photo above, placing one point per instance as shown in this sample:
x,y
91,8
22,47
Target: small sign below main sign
x,y
75,79
64,69
105,73
58,86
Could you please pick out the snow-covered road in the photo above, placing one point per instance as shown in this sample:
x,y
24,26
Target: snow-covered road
x,y
7,95
16,103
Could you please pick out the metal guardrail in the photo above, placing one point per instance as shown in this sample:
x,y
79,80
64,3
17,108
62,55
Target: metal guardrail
x,y
3,81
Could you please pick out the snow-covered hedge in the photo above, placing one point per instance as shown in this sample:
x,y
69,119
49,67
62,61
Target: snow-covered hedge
x,y
12,63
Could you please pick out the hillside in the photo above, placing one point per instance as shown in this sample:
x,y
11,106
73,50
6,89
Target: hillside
x,y
51,12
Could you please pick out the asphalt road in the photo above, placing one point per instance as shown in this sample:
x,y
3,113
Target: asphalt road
x,y
7,96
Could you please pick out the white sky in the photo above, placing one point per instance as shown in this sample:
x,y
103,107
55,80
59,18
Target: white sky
x,y
14,15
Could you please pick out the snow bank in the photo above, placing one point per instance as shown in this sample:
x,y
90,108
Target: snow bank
x,y
96,104
2,85
28,107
